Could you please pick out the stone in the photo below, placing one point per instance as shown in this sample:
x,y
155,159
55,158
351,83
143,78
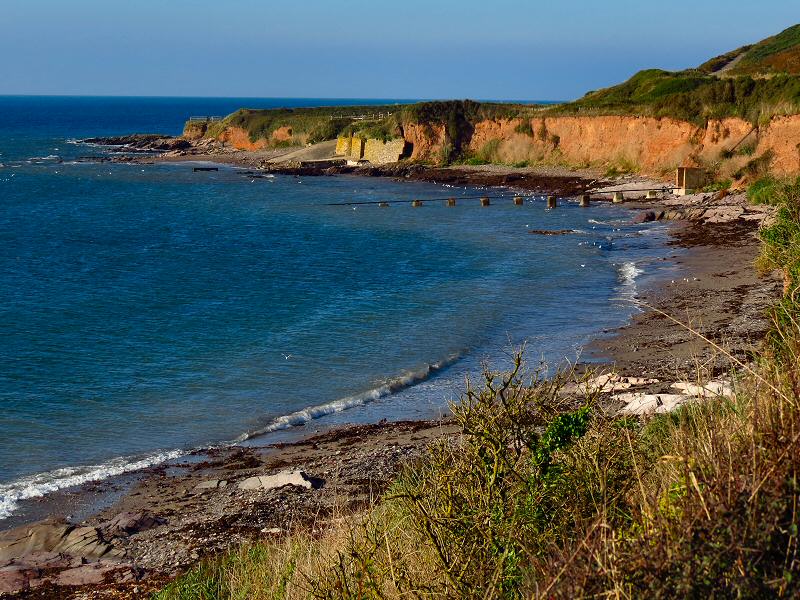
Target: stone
x,y
292,477
712,388
723,214
642,404
611,382
83,541
645,217
127,523
211,484
44,536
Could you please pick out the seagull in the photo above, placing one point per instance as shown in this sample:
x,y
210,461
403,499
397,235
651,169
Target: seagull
x,y
286,356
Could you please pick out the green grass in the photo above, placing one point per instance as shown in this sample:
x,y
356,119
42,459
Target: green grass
x,y
692,96
316,123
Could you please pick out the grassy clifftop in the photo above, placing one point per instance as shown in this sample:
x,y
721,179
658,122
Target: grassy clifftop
x,y
693,96
310,125
777,54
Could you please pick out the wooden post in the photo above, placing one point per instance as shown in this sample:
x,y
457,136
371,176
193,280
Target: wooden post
x,y
485,201
451,202
551,202
518,200
383,204
584,201
618,197
416,203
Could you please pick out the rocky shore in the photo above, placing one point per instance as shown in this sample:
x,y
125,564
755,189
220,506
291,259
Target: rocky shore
x,y
163,519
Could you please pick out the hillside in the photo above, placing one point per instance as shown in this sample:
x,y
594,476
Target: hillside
x,y
737,115
752,82
777,54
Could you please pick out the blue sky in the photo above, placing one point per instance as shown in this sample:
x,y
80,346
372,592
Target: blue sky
x,y
500,49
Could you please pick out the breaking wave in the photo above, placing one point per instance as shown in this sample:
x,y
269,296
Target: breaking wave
x,y
40,484
35,486
391,386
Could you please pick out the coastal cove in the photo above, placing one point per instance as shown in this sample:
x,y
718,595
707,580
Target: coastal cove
x,y
280,310
527,326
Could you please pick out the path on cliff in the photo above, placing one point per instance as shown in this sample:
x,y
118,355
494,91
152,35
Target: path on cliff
x,y
320,151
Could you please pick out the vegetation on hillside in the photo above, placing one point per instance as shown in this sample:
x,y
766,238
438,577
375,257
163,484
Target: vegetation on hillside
x,y
546,495
312,124
693,96
777,54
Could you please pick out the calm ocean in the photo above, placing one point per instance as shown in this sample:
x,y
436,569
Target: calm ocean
x,y
149,310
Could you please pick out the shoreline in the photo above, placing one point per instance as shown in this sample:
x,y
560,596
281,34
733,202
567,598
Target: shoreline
x,y
200,503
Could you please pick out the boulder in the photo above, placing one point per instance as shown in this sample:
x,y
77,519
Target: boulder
x,y
723,214
292,477
211,484
83,541
712,388
39,537
127,523
644,217
644,404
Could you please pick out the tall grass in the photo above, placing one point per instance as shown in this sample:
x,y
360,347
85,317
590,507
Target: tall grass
x,y
546,495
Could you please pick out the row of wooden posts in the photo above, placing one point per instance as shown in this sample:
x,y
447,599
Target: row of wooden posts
x,y
552,202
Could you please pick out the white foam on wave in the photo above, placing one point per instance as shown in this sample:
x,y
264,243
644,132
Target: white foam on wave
x,y
48,158
392,386
627,273
40,484
36,486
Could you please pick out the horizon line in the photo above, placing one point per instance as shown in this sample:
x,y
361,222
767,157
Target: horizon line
x,y
398,100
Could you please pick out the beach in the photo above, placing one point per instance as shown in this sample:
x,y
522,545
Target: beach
x,y
125,535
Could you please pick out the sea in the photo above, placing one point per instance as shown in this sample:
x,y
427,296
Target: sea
x,y
147,311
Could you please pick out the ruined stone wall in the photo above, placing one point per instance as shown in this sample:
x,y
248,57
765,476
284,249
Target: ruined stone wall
x,y
343,145
379,152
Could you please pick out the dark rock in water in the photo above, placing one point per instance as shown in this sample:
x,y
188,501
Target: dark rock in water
x,y
141,142
551,231
645,217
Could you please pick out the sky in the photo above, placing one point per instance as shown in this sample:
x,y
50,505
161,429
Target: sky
x,y
480,49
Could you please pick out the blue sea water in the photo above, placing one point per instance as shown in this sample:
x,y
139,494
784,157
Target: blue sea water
x,y
146,310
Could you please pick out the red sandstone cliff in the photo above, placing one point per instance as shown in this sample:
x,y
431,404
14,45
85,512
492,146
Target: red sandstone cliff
x,y
650,145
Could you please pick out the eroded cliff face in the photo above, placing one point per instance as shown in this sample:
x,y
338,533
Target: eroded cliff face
x,y
782,137
240,139
649,145
428,141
